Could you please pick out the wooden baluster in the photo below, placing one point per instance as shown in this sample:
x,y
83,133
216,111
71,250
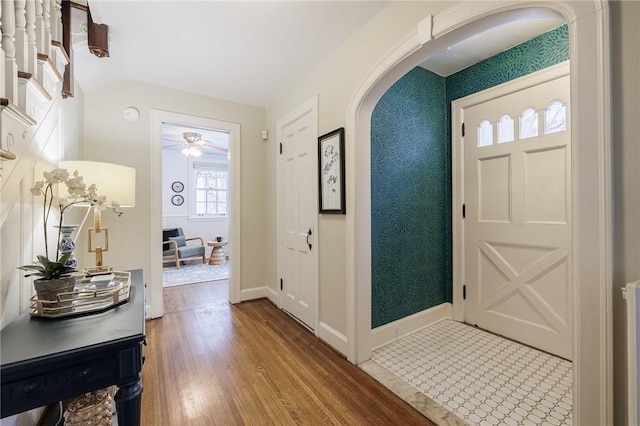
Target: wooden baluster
x,y
20,34
46,18
32,50
56,20
39,26
8,44
67,84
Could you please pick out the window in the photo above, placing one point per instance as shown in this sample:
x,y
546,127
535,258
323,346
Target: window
x,y
211,189
529,123
505,129
485,133
555,118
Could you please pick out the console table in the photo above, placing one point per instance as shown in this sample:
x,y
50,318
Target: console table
x,y
45,360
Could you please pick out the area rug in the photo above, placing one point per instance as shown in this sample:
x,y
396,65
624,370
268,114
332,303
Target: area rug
x,y
197,273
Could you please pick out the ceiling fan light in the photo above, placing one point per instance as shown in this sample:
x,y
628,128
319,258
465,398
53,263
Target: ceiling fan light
x,y
191,151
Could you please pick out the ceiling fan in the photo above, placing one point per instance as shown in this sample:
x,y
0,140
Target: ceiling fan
x,y
193,145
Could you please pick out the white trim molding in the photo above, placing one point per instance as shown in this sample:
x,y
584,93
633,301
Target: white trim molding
x,y
389,333
332,337
259,293
588,23
155,298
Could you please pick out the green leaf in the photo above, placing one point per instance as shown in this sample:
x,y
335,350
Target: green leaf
x,y
31,267
49,270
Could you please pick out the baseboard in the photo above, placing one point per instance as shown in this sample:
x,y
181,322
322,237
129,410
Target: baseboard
x,y
335,339
272,295
259,293
253,293
389,333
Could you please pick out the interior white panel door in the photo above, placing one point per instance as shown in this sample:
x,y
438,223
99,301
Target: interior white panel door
x,y
517,189
298,163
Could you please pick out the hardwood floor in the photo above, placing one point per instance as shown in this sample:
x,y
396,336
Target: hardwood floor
x,y
212,363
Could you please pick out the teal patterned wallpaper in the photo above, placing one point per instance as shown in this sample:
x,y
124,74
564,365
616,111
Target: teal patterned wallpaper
x,y
408,197
540,52
411,262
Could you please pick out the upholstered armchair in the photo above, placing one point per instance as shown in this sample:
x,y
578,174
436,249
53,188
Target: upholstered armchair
x,y
175,247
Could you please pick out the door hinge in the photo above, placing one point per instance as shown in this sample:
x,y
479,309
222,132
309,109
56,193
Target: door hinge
x,y
464,292
281,285
280,148
464,210
463,130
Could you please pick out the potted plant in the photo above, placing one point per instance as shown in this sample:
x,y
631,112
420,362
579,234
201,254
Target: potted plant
x,y
54,274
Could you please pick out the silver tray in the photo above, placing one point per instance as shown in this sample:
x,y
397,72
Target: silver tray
x,y
86,299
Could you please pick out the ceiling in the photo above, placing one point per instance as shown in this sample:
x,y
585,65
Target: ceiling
x,y
251,51
504,35
217,143
242,51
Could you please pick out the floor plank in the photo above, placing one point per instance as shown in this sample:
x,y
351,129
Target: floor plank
x,y
212,363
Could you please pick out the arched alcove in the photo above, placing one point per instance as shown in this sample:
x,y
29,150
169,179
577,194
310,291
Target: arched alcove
x,y
588,28
411,158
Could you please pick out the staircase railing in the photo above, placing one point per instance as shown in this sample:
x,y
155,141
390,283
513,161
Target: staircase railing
x,y
31,40
32,63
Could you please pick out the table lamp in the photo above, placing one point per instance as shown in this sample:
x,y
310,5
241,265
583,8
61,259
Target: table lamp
x,y
114,181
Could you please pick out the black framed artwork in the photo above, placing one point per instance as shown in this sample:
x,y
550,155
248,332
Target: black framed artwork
x,y
177,186
331,172
177,200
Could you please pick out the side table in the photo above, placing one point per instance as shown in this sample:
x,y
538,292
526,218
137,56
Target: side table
x,y
217,256
45,360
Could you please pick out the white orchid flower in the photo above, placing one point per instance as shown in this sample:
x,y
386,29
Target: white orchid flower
x,y
77,192
37,189
56,176
76,187
92,191
116,207
100,203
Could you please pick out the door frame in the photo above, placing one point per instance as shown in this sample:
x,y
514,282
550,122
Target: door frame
x,y
155,307
457,170
309,107
591,175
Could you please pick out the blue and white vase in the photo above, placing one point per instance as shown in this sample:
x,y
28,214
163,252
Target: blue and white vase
x,y
67,245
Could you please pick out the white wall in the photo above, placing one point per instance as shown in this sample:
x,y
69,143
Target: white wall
x,y
335,80
176,167
625,19
73,125
109,138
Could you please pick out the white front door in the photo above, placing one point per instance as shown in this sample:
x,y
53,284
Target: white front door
x,y
517,195
298,212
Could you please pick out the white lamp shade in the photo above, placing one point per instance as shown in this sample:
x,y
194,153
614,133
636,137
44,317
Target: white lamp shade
x,y
116,182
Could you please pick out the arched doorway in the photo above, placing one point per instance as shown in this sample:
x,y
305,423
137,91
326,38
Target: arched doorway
x,y
588,27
